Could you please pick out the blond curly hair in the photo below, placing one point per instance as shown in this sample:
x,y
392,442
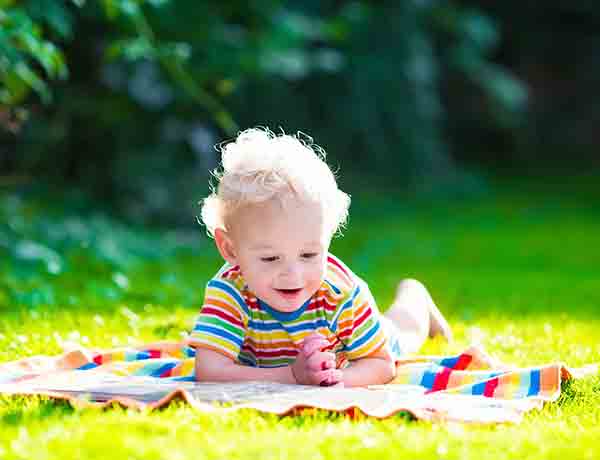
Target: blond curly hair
x,y
260,165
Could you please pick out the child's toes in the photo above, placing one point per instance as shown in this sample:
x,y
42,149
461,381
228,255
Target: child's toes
x,y
438,324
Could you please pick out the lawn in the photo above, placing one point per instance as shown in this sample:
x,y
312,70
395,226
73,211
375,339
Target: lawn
x,y
514,267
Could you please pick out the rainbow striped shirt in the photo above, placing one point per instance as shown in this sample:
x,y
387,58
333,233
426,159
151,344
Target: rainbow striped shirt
x,y
233,322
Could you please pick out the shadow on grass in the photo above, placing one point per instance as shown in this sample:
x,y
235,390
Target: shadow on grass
x,y
16,410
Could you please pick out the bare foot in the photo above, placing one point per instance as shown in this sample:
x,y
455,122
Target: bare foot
x,y
415,312
438,324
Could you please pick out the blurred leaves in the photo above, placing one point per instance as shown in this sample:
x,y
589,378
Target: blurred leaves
x,y
41,250
473,36
25,52
31,235
152,85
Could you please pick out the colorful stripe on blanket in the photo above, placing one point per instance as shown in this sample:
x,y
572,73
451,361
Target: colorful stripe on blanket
x,y
464,373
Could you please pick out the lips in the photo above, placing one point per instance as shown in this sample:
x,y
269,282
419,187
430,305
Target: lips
x,y
289,293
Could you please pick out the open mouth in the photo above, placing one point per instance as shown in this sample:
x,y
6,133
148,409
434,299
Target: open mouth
x,y
289,291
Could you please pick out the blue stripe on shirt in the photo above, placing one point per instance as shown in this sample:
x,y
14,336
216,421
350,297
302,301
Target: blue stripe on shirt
x,y
345,306
231,291
334,287
365,338
260,326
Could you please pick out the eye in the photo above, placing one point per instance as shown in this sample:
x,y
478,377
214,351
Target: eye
x,y
310,255
269,259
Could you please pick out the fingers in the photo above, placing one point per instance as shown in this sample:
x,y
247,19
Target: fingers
x,y
319,366
313,343
324,365
321,360
313,335
328,377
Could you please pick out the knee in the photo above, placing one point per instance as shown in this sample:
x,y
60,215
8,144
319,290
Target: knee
x,y
417,297
411,307
413,286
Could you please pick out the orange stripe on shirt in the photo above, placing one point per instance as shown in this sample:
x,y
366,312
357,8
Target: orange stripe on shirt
x,y
224,305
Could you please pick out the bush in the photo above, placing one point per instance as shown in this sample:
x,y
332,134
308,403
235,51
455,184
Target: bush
x,y
153,84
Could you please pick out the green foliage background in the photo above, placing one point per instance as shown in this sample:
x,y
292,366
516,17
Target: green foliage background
x,y
134,94
514,270
113,107
126,98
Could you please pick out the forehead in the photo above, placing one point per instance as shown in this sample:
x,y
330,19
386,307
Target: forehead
x,y
276,223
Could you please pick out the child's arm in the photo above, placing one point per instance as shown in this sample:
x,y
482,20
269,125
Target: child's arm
x,y
215,367
312,367
376,369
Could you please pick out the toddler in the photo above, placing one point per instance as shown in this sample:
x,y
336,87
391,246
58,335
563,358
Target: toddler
x,y
282,308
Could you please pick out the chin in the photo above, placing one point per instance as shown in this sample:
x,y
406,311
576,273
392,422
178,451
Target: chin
x,y
288,305
292,308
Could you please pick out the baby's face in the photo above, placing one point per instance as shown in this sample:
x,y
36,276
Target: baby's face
x,y
281,251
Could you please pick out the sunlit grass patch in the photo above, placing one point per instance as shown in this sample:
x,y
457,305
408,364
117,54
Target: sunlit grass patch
x,y
515,273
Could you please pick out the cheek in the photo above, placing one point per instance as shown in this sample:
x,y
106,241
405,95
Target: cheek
x,y
254,273
315,274
258,283
268,275
260,276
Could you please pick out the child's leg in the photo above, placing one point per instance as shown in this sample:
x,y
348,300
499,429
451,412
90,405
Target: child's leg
x,y
416,316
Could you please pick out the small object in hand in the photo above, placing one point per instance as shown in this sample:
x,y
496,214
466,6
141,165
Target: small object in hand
x,y
325,383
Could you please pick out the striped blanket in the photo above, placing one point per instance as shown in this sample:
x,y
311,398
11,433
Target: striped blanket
x,y
468,387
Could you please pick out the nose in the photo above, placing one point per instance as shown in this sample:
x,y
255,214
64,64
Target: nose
x,y
291,272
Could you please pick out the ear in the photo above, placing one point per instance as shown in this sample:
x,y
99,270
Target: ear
x,y
225,246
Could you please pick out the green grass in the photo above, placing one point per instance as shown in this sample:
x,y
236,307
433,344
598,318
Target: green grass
x,y
515,269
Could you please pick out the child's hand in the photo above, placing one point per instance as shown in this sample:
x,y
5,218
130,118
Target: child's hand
x,y
315,367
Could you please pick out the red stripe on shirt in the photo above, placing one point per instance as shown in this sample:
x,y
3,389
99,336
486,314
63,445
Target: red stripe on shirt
x,y
313,305
331,260
253,304
269,353
362,318
232,271
330,307
347,332
206,310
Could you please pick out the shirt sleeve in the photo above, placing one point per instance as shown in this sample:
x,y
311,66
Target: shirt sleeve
x,y
221,323
357,323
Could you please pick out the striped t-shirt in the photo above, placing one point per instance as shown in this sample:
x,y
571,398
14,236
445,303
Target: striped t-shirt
x,y
233,322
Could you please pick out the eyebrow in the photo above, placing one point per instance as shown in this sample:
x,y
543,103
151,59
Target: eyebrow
x,y
261,247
